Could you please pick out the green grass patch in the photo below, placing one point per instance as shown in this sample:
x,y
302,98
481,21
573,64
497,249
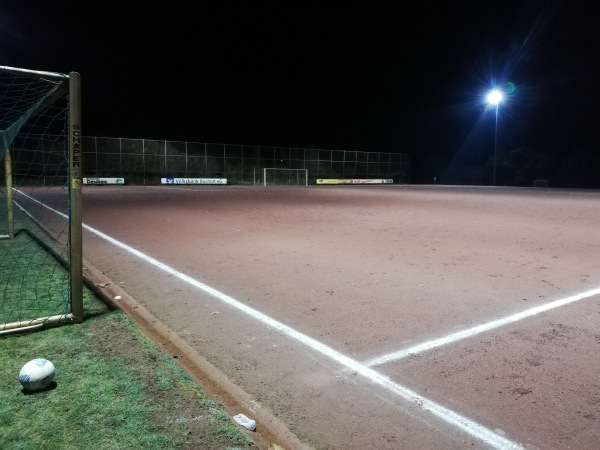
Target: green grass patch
x,y
113,389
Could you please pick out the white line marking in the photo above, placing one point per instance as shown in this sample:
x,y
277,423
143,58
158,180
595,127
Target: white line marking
x,y
56,211
473,428
470,332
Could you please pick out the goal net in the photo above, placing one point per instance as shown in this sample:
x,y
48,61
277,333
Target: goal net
x,y
275,176
40,199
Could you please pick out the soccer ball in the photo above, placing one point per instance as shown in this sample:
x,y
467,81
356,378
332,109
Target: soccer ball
x,y
37,374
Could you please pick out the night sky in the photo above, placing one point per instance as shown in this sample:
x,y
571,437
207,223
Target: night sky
x,y
396,76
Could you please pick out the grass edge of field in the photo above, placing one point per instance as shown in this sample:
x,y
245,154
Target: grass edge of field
x,y
139,406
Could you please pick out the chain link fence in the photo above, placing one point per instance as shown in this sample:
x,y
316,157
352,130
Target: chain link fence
x,y
144,161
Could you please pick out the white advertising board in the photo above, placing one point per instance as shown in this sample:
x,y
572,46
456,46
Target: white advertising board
x,y
193,180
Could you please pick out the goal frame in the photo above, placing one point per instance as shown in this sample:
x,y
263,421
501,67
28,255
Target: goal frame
x,y
298,172
10,231
72,88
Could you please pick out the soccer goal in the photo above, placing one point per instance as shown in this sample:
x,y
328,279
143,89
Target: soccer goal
x,y
41,278
275,176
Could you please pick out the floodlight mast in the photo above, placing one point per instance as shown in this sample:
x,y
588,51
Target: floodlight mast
x,y
494,98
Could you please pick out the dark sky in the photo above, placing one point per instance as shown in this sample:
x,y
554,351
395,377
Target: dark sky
x,y
396,76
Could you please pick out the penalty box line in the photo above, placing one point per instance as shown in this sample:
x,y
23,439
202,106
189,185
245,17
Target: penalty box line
x,y
470,332
468,426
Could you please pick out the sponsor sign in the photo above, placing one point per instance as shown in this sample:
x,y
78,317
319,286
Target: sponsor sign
x,y
355,181
193,180
104,181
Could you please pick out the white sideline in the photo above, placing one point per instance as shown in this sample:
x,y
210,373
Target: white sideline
x,y
473,428
470,427
470,332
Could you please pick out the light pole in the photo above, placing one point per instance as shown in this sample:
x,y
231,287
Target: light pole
x,y
494,97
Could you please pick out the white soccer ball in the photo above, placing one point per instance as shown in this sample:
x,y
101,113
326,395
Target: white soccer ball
x,y
37,374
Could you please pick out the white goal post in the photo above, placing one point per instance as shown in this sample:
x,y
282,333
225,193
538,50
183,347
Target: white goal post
x,y
276,176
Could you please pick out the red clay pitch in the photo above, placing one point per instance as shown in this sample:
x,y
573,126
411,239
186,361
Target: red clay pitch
x,y
367,271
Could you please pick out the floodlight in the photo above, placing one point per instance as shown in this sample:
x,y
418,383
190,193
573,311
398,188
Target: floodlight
x,y
494,97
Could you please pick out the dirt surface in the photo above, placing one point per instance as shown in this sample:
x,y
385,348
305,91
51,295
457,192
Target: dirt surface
x,y
353,273
271,434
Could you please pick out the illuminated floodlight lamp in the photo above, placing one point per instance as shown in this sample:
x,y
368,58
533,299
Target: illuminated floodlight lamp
x,y
494,97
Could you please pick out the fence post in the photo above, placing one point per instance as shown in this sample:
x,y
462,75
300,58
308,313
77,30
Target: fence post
x,y
121,157
144,160
96,154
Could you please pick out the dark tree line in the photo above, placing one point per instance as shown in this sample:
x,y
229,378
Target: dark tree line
x,y
520,166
